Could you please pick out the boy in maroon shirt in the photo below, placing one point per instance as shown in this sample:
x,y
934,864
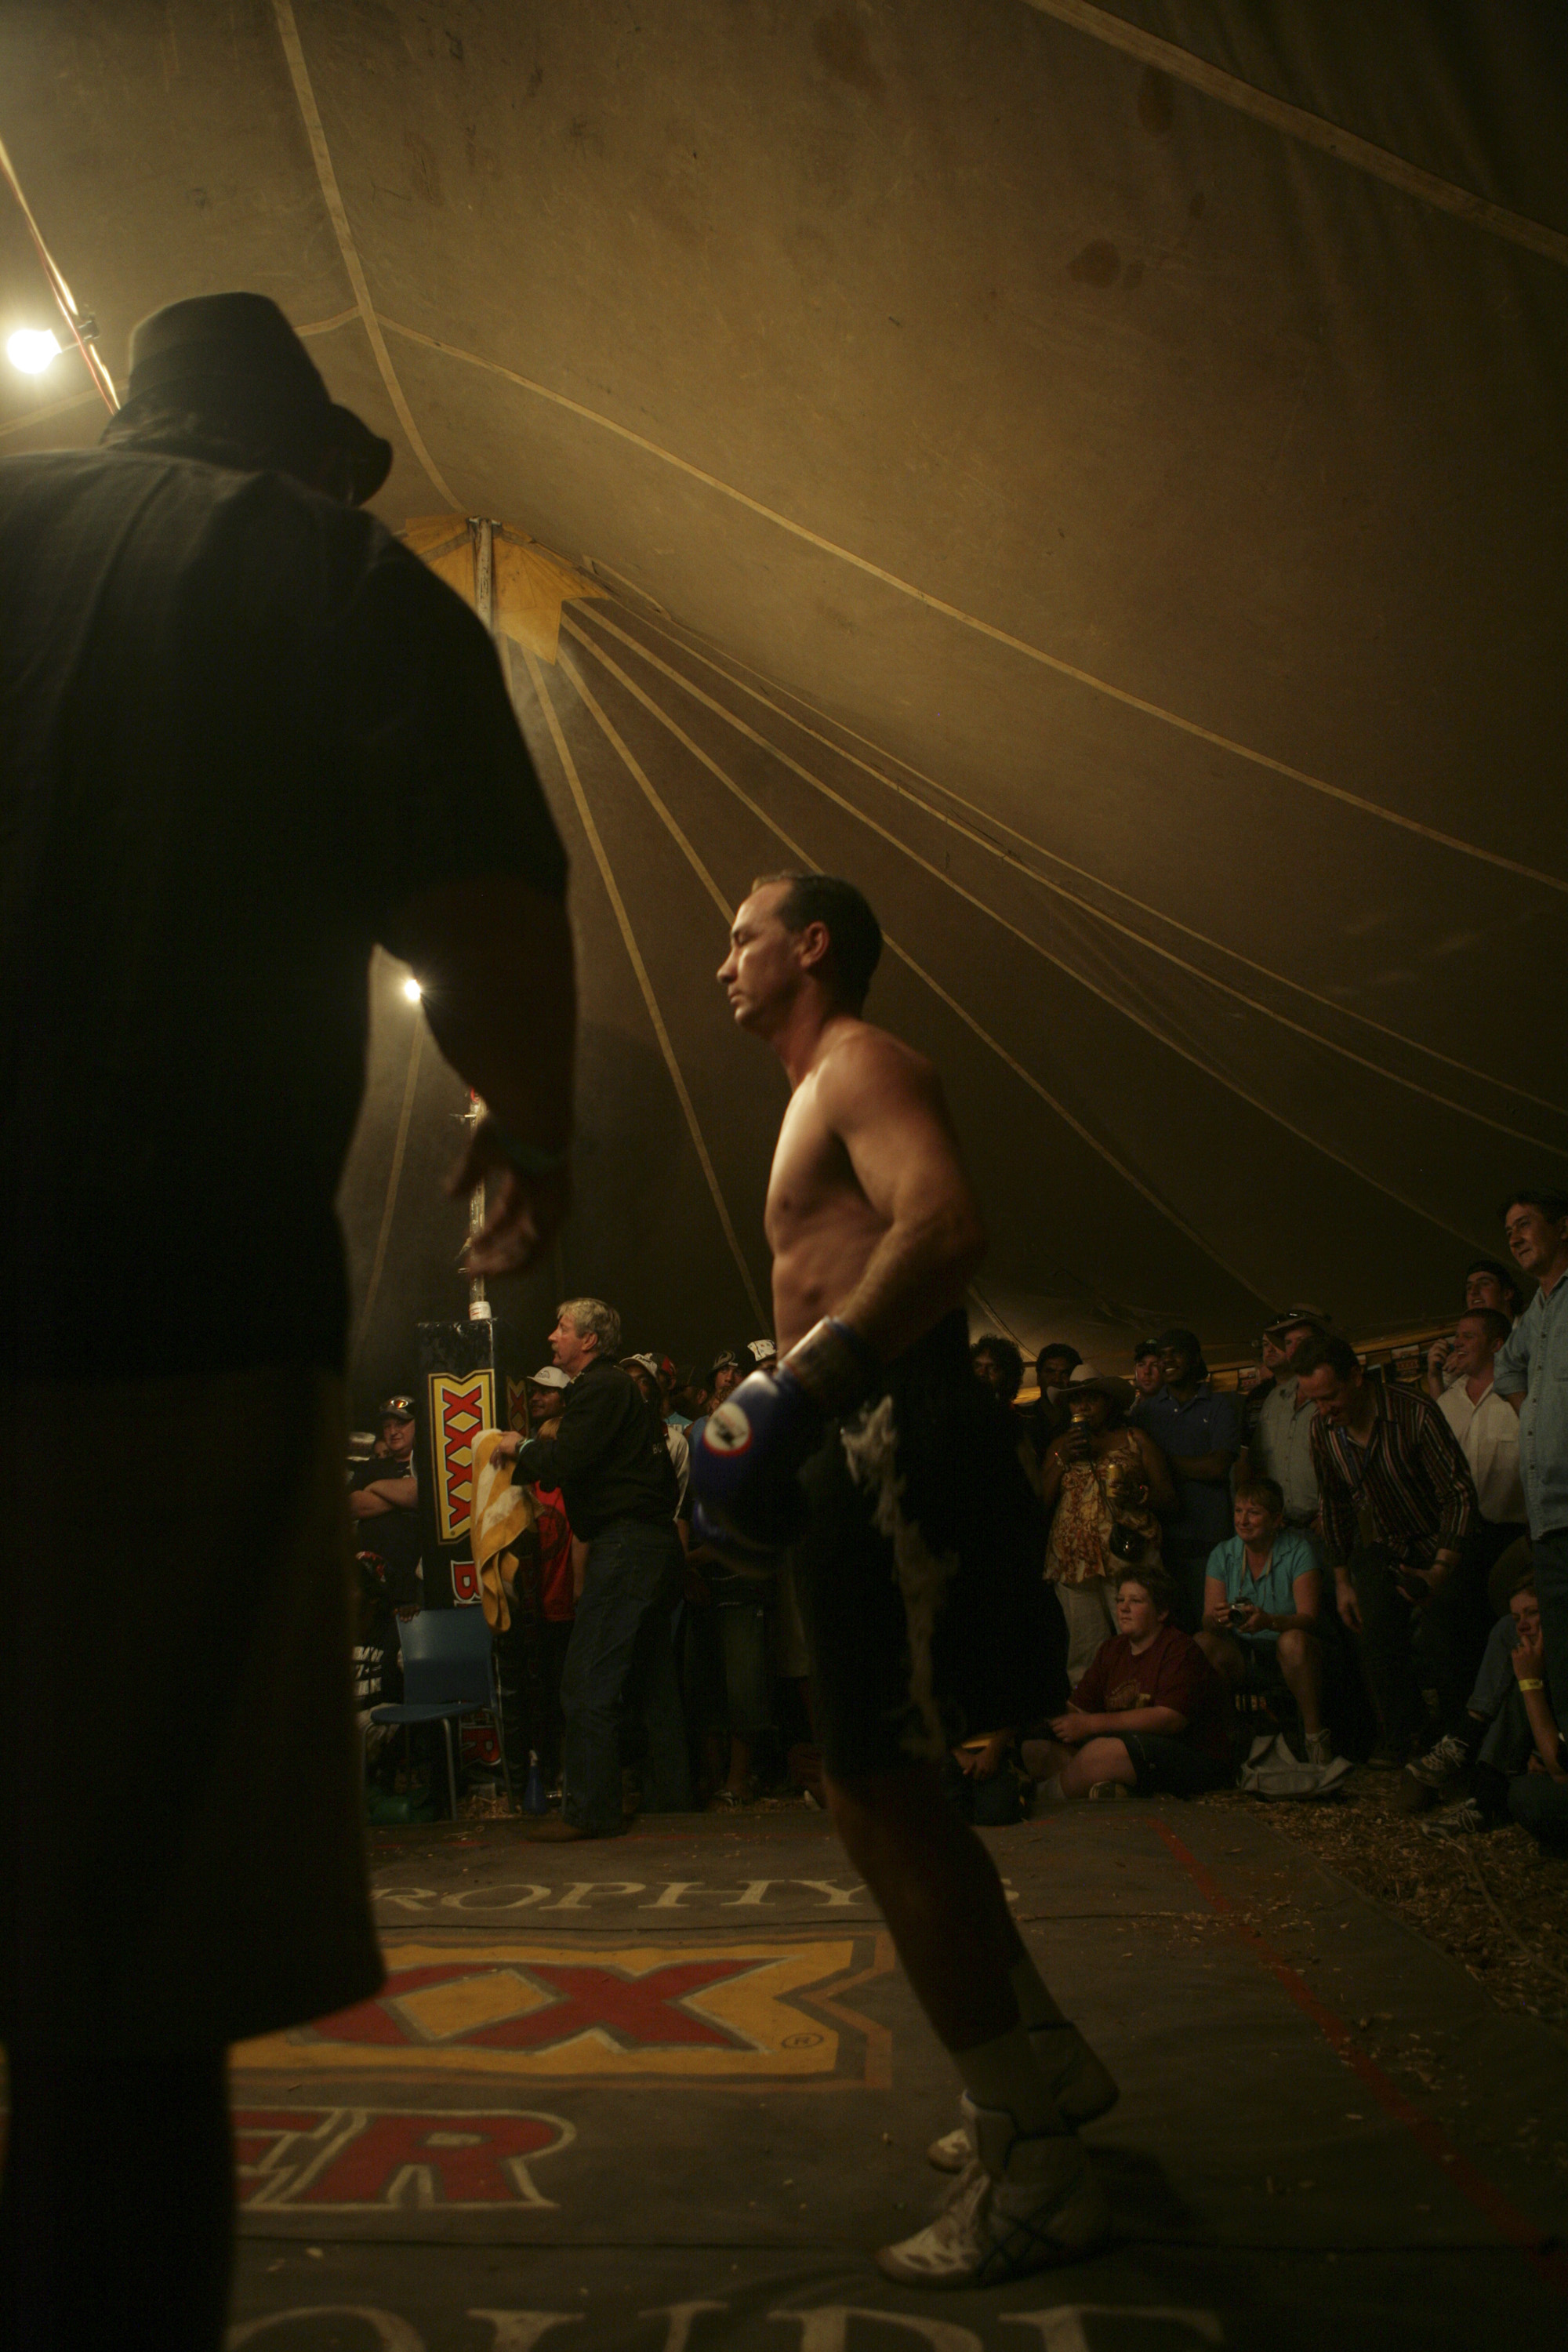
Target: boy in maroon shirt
x,y
1150,1714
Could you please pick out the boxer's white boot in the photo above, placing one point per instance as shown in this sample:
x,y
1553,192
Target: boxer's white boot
x,y
1027,2201
1081,2085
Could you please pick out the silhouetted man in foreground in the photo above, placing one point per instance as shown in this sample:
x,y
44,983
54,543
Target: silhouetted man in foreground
x,y
246,737
895,1472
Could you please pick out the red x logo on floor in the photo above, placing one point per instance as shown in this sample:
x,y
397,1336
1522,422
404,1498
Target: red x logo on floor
x,y
640,2013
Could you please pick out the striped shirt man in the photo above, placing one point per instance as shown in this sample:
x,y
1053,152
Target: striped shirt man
x,y
1409,1487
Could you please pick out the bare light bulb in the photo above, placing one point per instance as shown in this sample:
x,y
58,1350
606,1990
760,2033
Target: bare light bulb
x,y
412,989
32,348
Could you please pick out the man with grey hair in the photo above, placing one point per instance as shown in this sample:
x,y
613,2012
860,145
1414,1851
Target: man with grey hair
x,y
607,1455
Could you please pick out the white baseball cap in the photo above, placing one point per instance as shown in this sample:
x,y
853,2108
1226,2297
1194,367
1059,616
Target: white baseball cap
x,y
550,1377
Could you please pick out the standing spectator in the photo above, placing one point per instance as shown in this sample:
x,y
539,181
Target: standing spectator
x,y
1263,1598
608,1457
644,1371
669,1384
999,1363
1147,1376
1054,1366
1487,1427
384,1498
1199,1432
1150,1714
1488,1285
246,737
1398,1503
1105,1486
1279,1440
1531,1370
546,1597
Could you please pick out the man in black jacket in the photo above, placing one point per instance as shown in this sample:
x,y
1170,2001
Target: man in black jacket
x,y
609,1459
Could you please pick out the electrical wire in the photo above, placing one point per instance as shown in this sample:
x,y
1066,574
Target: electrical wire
x,y
83,330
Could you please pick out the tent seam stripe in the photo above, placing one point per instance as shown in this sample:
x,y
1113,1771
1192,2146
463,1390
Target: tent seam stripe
x,y
1312,129
1171,1216
628,938
1054,857
1126,1013
305,97
1054,662
1098,914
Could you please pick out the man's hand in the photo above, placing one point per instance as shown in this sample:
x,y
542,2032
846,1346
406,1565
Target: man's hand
x,y
1345,1602
1420,1585
367,1507
523,1213
1530,1659
508,1446
1075,1726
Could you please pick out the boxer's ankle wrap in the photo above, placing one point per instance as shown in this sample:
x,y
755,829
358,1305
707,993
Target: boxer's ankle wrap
x,y
834,1365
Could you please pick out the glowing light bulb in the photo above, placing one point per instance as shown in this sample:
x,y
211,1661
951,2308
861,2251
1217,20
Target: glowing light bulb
x,y
32,348
412,989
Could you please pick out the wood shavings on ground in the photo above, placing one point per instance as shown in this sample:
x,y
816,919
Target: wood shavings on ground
x,y
1495,1902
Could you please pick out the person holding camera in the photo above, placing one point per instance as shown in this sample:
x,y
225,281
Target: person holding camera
x,y
1262,1600
1107,1486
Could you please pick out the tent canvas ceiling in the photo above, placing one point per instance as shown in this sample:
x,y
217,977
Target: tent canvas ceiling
x,y
1095,475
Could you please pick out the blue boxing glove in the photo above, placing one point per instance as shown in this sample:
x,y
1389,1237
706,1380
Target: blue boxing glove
x,y
745,1471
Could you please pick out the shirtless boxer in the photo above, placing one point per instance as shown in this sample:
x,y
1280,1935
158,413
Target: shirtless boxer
x,y
893,1474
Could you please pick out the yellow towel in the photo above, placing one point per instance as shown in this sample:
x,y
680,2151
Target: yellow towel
x,y
503,1514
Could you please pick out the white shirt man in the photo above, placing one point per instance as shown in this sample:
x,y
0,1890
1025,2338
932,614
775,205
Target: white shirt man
x,y
1485,1423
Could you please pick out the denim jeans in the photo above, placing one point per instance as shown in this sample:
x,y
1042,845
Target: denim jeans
x,y
1404,1649
621,1656
1550,1554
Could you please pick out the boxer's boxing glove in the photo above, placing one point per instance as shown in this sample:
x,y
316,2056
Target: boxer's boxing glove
x,y
745,1470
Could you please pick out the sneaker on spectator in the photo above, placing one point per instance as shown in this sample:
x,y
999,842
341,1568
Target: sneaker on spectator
x,y
1442,1766
1027,2201
1083,2087
1411,1795
1461,1821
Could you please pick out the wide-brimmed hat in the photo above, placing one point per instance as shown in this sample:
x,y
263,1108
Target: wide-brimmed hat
x,y
1084,1376
1293,1315
216,344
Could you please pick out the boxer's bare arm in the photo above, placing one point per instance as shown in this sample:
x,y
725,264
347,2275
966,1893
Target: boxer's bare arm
x,y
870,1215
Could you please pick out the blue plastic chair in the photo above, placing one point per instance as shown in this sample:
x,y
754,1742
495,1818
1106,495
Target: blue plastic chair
x,y
449,1670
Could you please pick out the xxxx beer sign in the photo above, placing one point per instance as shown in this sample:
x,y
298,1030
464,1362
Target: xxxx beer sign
x,y
461,1404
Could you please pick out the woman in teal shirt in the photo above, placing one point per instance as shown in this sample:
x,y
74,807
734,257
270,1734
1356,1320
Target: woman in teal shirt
x,y
1262,1595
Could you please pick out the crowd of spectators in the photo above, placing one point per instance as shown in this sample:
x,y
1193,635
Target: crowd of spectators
x,y
1326,1555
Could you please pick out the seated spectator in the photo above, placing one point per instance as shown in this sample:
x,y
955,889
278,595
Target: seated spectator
x,y
1398,1503
384,1500
1519,1770
1531,1371
984,1780
1105,1486
1263,1599
999,1363
1147,1377
1278,1424
1150,1714
1487,1427
1199,1432
1490,1288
